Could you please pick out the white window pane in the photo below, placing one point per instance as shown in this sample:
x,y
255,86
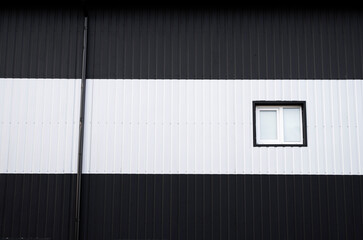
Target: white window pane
x,y
268,124
292,126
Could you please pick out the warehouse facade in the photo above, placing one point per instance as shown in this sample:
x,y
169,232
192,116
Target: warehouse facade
x,y
148,124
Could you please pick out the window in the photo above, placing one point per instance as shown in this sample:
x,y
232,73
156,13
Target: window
x,y
279,123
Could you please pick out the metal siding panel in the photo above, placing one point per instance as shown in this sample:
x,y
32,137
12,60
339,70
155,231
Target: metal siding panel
x,y
327,126
319,127
352,130
357,47
59,30
159,128
337,128
181,126
219,44
142,145
127,49
39,135
41,43
32,201
150,131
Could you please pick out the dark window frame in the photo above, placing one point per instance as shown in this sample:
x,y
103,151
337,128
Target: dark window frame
x,y
301,104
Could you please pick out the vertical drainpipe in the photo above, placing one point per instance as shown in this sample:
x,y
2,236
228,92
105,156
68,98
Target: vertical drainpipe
x,y
81,129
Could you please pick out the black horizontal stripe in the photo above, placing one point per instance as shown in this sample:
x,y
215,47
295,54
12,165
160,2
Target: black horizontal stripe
x,y
154,206
41,43
214,43
37,206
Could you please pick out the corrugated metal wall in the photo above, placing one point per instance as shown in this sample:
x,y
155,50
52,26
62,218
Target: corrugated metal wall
x,y
193,206
41,46
205,127
225,44
40,43
188,44
37,206
39,125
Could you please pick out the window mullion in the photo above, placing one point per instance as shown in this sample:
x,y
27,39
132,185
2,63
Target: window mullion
x,y
281,125
277,125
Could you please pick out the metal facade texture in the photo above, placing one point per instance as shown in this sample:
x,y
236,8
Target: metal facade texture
x,y
39,125
225,44
40,43
205,127
193,206
197,47
37,206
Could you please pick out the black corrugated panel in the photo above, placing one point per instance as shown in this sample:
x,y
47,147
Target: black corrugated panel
x,y
225,44
203,44
37,206
41,43
153,206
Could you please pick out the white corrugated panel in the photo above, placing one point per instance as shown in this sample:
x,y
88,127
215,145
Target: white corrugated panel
x,y
205,126
175,126
39,125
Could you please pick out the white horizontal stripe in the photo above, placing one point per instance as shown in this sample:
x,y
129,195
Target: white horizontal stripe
x,y
39,125
205,127
175,126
